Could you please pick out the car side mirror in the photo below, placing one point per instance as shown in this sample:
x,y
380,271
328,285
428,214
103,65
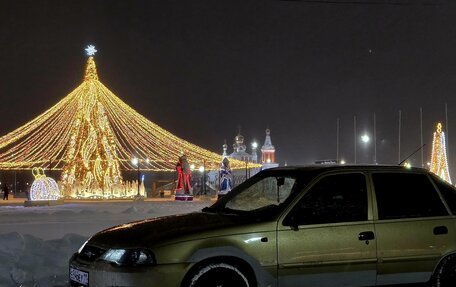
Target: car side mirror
x,y
292,221
280,181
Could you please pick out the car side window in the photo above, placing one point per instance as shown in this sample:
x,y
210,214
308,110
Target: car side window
x,y
448,192
406,195
333,199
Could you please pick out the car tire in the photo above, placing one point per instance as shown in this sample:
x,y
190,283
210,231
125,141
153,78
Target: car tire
x,y
219,274
445,274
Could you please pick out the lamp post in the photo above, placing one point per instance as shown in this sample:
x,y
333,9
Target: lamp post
x,y
246,167
15,182
135,161
203,180
365,138
254,153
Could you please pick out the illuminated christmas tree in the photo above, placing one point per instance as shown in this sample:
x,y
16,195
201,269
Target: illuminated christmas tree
x,y
91,155
91,135
439,162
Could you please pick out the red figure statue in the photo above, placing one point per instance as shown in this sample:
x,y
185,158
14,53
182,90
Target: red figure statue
x,y
184,190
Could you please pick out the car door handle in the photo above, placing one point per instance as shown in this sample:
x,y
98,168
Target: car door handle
x,y
439,230
366,236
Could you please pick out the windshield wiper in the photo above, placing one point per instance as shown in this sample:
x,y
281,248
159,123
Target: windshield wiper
x,y
209,209
224,210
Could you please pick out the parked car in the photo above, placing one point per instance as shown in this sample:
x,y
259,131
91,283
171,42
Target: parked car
x,y
292,226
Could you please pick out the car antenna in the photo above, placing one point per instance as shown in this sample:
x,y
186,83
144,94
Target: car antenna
x,y
411,154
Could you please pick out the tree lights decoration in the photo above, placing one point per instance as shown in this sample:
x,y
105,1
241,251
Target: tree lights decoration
x,y
43,188
91,155
91,135
439,163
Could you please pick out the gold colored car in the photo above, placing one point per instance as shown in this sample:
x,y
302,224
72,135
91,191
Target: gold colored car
x,y
292,226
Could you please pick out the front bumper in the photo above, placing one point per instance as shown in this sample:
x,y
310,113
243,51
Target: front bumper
x,y
103,274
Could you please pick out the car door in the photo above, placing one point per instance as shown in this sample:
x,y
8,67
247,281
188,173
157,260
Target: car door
x,y
327,238
413,227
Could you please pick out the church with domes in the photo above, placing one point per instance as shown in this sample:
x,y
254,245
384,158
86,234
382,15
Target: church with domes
x,y
267,160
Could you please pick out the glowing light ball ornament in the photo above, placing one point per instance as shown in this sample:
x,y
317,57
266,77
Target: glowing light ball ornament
x,y
43,188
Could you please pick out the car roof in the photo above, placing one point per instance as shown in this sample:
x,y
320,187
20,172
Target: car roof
x,y
330,167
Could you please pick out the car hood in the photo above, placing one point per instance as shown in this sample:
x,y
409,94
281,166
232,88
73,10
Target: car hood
x,y
145,232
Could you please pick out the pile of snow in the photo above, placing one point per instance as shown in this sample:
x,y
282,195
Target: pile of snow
x,y
31,261
36,242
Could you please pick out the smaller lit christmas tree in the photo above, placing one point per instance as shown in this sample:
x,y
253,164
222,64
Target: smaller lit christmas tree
x,y
439,162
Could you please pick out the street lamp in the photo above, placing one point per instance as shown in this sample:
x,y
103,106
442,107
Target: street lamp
x,y
254,153
203,179
135,161
365,138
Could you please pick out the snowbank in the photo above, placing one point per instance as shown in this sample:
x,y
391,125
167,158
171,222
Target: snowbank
x,y
30,261
36,242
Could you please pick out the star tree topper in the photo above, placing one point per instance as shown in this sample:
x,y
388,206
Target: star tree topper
x,y
90,50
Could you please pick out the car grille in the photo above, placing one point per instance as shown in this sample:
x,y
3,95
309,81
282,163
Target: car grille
x,y
91,253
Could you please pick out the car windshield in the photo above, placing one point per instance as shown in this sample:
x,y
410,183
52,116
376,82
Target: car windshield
x,y
264,193
268,191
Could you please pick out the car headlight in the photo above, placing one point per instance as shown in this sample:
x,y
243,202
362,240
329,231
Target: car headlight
x,y
129,257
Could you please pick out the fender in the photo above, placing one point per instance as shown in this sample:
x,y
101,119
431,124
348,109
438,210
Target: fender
x,y
263,277
440,261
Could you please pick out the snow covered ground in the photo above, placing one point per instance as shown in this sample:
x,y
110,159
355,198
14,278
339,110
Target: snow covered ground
x,y
36,242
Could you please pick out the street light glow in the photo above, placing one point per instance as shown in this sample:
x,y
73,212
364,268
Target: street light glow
x,y
201,169
365,138
134,161
254,145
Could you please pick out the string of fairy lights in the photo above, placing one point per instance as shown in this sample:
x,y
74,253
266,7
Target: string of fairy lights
x,y
91,135
94,132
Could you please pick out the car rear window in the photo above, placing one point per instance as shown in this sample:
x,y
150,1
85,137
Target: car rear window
x,y
406,195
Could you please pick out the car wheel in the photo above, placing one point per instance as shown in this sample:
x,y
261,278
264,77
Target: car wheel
x,y
219,274
445,274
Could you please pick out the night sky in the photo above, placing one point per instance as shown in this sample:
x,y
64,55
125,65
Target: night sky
x,y
202,68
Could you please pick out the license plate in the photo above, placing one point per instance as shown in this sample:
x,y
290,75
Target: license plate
x,y
79,276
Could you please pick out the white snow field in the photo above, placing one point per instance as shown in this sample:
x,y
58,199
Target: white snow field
x,y
36,242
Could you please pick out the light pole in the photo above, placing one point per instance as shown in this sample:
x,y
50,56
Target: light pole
x,y
203,179
15,183
135,161
246,167
254,153
355,137
365,138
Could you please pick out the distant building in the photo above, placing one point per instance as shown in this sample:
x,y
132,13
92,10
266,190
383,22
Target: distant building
x,y
240,151
268,152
